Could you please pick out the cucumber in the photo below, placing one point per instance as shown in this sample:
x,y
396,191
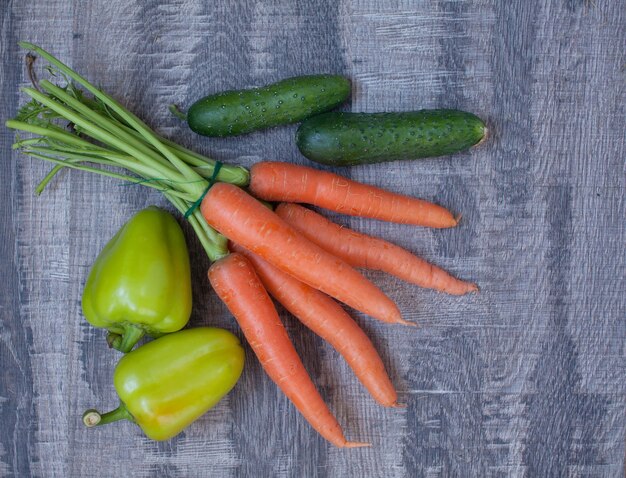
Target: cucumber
x,y
345,139
291,100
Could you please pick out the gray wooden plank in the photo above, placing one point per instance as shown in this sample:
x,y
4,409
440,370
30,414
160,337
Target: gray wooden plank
x,y
523,379
17,413
565,416
41,256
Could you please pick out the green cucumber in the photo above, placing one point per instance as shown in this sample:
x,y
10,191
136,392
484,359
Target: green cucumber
x,y
291,100
345,139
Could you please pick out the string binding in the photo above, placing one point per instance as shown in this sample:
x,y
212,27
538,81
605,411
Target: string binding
x,y
212,180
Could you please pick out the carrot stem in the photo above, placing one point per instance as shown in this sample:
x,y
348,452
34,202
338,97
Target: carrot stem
x,y
103,122
124,141
100,134
126,115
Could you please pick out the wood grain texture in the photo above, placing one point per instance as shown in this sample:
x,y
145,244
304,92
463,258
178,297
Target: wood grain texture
x,y
526,378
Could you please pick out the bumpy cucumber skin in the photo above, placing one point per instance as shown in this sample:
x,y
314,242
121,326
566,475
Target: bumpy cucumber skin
x,y
291,100
345,139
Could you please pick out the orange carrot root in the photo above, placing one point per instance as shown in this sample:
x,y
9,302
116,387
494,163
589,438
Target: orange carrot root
x,y
274,181
361,250
356,444
245,221
327,319
236,283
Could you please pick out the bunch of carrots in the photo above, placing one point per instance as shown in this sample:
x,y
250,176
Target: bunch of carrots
x,y
302,259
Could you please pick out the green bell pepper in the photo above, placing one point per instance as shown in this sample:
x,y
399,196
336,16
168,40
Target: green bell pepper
x,y
141,281
168,383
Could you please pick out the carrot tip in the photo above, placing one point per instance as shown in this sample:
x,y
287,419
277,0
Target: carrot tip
x,y
397,405
356,444
406,322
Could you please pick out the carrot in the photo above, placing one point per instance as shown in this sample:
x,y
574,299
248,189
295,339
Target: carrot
x,y
361,250
273,181
245,221
236,283
327,319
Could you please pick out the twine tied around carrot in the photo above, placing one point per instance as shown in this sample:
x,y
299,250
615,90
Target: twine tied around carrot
x,y
194,206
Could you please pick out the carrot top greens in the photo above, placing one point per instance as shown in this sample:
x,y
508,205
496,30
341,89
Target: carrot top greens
x,y
76,125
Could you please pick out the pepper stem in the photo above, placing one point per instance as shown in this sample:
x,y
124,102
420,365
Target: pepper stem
x,y
125,341
92,418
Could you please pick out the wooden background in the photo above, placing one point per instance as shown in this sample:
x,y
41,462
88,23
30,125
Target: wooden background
x,y
526,378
